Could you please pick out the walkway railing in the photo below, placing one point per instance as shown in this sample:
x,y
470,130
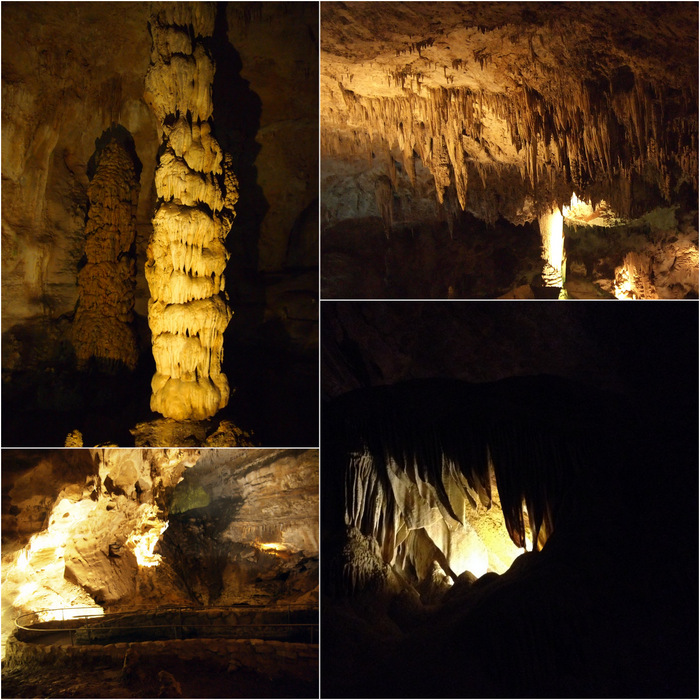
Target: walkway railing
x,y
91,625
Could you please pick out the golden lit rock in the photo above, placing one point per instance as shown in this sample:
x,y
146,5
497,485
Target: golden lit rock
x,y
186,255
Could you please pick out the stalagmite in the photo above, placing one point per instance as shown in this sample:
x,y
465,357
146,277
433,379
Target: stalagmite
x,y
197,191
102,328
552,232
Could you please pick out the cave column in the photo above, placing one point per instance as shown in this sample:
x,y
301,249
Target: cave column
x,y
196,192
552,233
103,327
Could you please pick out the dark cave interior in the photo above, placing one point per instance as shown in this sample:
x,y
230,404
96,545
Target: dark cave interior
x,y
607,606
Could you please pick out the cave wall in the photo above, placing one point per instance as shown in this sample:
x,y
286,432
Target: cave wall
x,y
501,110
120,527
60,95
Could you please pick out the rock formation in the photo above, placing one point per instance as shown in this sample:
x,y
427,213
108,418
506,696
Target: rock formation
x,y
71,71
142,527
420,461
503,110
404,463
103,321
186,256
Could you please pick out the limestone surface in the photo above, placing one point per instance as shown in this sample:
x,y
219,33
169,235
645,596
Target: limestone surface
x,y
186,255
103,321
501,110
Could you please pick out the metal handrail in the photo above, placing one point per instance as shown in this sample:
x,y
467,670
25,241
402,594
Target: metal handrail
x,y
86,620
159,608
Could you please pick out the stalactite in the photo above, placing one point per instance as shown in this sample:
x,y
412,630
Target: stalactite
x,y
103,322
582,136
197,191
419,448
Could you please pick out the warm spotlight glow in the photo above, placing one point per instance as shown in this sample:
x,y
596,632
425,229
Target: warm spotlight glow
x,y
490,526
477,562
633,279
144,538
580,212
274,547
552,232
69,614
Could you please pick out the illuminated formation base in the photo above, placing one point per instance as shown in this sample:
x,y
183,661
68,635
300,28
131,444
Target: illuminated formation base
x,y
187,312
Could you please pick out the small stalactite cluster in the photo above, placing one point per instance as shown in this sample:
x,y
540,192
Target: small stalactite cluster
x,y
103,321
197,191
579,139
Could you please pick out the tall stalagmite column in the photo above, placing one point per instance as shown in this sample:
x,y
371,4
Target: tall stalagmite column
x,y
102,328
552,232
187,311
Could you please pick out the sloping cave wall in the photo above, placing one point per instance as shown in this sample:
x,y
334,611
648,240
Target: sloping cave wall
x,y
130,528
501,111
601,609
70,71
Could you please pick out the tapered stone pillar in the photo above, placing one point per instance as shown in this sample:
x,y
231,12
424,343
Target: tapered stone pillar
x,y
103,329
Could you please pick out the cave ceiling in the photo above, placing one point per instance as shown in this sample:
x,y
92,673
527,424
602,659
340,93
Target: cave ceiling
x,y
506,109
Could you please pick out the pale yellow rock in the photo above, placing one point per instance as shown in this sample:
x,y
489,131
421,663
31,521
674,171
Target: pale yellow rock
x,y
184,400
198,318
174,222
175,180
196,145
183,85
199,15
186,256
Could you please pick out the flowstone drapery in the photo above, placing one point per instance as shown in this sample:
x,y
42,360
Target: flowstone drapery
x,y
102,328
420,460
196,192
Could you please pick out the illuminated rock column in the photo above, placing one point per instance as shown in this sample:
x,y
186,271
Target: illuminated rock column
x,y
552,232
196,193
105,311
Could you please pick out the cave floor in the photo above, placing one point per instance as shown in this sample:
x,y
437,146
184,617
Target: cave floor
x,y
107,682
